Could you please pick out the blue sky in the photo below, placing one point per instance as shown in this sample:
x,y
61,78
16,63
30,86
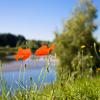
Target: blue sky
x,y
37,19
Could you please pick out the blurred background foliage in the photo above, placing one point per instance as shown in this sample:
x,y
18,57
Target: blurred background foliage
x,y
77,31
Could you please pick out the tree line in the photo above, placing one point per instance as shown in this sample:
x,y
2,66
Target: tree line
x,y
11,40
8,39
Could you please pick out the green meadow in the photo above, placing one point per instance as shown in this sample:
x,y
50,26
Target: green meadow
x,y
80,89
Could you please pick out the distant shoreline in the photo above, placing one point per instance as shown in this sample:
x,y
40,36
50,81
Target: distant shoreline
x,y
29,64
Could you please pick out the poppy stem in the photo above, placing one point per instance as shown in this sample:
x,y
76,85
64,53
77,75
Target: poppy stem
x,y
20,74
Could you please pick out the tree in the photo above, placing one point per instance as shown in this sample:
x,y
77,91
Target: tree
x,y
8,39
77,31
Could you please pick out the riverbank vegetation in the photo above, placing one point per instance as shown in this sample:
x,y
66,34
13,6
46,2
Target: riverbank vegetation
x,y
9,44
78,71
79,89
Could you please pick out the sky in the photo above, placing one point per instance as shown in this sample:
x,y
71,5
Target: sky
x,y
38,19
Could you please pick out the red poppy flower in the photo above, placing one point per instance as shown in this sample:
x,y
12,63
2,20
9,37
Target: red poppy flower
x,y
44,50
23,54
26,53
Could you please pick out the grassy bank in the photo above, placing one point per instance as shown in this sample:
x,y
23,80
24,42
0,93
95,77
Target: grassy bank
x,y
79,89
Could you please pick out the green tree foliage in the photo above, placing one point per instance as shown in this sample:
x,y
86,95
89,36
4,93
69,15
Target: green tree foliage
x,y
77,31
11,40
8,39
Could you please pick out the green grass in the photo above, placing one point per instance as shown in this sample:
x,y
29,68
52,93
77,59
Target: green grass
x,y
80,89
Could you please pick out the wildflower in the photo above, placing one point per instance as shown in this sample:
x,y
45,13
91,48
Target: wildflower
x,y
83,46
98,69
26,53
19,54
44,50
23,54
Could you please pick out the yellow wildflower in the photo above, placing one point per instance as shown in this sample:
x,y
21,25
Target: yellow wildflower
x,y
98,69
83,46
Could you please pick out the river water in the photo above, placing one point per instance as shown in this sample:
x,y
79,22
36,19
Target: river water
x,y
31,71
